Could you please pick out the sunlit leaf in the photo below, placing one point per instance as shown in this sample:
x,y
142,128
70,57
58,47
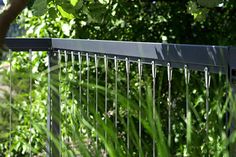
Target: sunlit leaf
x,y
64,13
104,1
73,2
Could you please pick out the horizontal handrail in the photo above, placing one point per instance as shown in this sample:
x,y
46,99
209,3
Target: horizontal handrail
x,y
197,57
25,44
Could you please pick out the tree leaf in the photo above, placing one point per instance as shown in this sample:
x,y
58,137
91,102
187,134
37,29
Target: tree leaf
x,y
64,13
52,12
39,7
73,2
103,1
96,12
79,4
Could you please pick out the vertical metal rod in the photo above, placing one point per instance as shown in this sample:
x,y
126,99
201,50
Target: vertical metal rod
x,y
80,81
66,72
140,106
154,107
207,86
68,84
188,113
30,97
128,98
80,86
66,59
96,95
10,116
72,92
59,63
59,89
169,73
106,70
87,62
116,96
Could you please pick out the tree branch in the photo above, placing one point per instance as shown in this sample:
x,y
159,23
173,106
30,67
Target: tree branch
x,y
9,14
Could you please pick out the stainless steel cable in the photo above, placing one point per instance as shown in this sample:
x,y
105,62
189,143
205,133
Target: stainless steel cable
x,y
87,63
188,113
59,91
30,97
154,107
68,85
10,112
96,95
72,92
140,106
207,86
116,96
80,81
128,99
66,71
169,73
66,59
106,83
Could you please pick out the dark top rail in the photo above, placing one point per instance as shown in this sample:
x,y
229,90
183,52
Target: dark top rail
x,y
196,57
25,44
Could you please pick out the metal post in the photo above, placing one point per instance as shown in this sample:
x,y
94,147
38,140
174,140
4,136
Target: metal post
x,y
232,79
53,118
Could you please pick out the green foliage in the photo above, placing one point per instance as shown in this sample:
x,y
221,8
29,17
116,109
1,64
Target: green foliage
x,y
73,2
159,21
64,13
199,14
22,113
209,3
39,7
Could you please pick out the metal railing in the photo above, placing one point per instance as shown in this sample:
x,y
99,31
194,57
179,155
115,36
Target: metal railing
x,y
204,58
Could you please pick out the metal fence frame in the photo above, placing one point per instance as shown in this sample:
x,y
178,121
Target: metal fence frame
x,y
218,59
